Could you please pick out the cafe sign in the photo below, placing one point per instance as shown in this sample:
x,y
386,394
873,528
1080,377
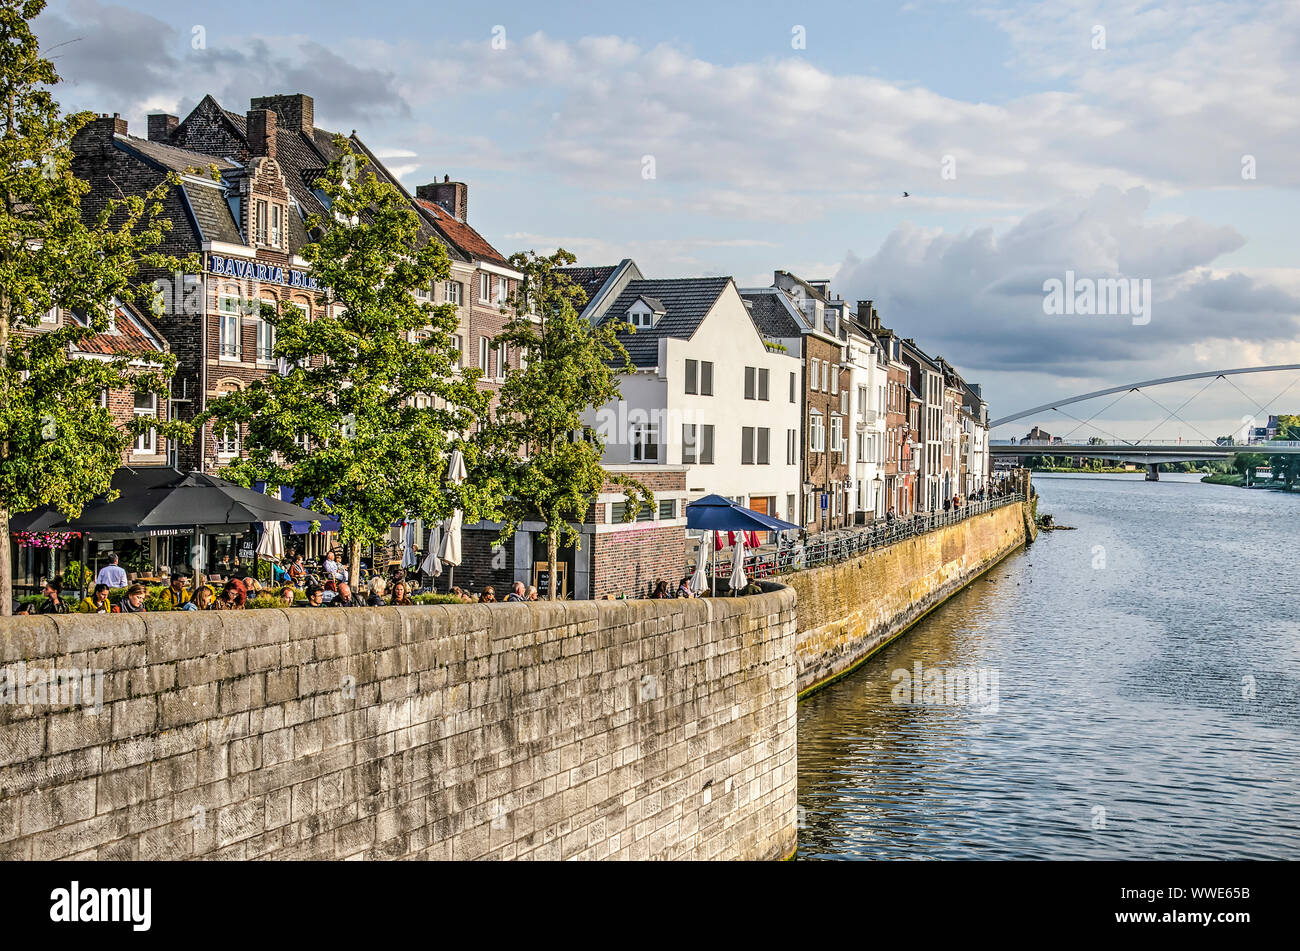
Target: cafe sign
x,y
261,272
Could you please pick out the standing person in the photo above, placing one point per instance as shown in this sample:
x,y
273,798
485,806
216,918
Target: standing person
x,y
377,586
53,603
344,598
401,594
133,601
177,593
203,600
516,592
96,603
112,574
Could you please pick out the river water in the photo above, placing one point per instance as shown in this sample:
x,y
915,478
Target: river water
x,y
1134,693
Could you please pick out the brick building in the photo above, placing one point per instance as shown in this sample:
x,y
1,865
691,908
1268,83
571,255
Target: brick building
x,y
246,192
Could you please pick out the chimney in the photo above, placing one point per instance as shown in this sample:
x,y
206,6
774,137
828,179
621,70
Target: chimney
x,y
161,126
261,132
96,136
296,111
867,315
452,197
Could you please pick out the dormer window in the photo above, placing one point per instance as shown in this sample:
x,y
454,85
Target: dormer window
x,y
268,223
644,313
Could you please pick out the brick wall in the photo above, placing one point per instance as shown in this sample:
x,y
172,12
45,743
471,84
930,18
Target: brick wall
x,y
568,730
847,611
630,562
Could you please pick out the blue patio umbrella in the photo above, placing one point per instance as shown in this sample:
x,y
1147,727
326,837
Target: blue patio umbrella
x,y
719,514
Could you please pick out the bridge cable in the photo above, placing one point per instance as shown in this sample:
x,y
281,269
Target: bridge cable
x,y
1264,408
1173,415
1259,406
1094,416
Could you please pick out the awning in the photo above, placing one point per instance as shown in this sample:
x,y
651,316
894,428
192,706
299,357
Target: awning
x,y
288,493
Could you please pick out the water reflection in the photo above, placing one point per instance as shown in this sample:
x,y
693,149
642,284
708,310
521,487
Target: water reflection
x,y
1148,704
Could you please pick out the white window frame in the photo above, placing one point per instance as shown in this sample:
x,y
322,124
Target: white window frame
x,y
229,323
484,288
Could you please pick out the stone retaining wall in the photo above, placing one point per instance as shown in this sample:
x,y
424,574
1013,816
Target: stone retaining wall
x,y
553,731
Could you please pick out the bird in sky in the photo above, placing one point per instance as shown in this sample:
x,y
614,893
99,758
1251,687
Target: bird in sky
x,y
906,195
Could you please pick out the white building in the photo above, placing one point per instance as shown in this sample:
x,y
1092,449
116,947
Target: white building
x,y
709,391
869,377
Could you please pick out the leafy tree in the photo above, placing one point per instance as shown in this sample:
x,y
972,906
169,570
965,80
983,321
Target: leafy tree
x,y
1247,462
368,406
57,446
540,448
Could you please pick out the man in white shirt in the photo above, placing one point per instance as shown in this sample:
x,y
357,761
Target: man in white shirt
x,y
112,574
333,569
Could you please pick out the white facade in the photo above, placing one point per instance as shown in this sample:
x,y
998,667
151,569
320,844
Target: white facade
x,y
692,409
867,439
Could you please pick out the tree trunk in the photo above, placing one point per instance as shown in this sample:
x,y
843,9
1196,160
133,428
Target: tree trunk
x,y
550,553
354,567
6,567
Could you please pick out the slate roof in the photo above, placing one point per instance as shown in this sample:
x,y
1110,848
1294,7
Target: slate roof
x,y
590,279
772,312
686,302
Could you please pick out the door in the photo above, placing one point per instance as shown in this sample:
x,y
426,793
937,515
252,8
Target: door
x,y
764,505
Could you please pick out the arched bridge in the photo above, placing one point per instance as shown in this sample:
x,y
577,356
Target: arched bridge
x,y
1147,451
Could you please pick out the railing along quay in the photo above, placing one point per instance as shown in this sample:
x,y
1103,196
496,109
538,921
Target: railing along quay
x,y
842,544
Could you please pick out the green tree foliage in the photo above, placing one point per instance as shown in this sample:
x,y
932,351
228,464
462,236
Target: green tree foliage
x,y
57,446
369,405
540,448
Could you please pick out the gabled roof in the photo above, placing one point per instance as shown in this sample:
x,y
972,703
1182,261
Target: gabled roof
x,y
135,336
602,285
807,288
460,234
590,279
686,301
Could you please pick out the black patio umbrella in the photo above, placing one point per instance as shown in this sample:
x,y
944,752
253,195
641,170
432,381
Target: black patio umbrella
x,y
190,501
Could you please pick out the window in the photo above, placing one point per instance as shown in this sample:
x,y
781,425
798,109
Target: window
x,y
260,229
704,447
640,316
277,226
484,288
690,451
483,346
228,442
229,327
51,316
750,383
618,510
503,290
692,376
792,387
761,453
706,378
747,445
667,508
835,378
103,399
503,360
146,405
814,373
844,401
452,292
458,347
645,443
762,384
790,513
838,443
265,340
826,372
791,446
817,433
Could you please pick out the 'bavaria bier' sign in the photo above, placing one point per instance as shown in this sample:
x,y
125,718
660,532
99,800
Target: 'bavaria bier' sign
x,y
260,272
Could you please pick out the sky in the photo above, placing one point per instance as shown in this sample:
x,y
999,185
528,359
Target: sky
x,y
1153,142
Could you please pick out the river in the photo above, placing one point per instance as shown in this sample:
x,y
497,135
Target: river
x,y
1140,694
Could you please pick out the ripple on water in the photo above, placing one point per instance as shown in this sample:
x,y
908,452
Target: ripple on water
x,y
1148,696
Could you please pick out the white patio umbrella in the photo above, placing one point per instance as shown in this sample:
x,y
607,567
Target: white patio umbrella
x,y
738,562
700,580
272,543
431,566
451,552
408,559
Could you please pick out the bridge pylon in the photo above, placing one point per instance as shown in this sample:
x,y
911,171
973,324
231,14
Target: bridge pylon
x,y
1153,472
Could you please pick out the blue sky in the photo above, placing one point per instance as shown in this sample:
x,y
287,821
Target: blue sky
x,y
1122,161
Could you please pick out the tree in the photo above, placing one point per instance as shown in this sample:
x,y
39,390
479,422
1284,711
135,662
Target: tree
x,y
1247,462
57,445
540,449
368,404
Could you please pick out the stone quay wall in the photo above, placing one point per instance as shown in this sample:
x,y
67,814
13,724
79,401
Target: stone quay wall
x,y
593,730
849,610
